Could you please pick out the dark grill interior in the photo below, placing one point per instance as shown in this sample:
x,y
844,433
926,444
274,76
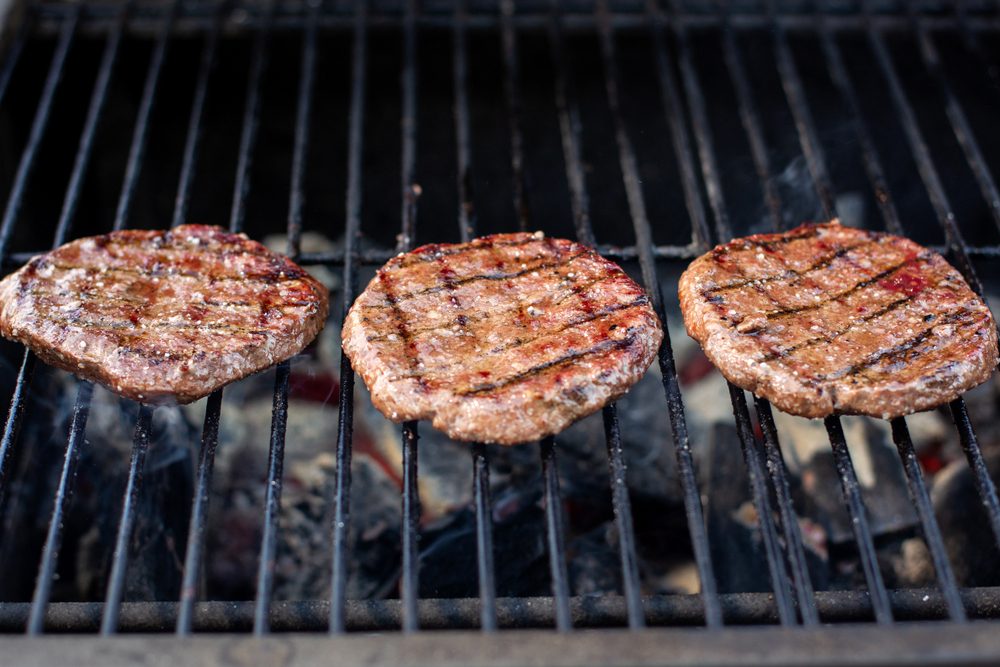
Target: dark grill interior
x,y
347,132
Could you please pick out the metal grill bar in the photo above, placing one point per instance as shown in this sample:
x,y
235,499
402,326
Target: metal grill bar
x,y
623,519
751,447
384,616
812,149
555,538
959,123
56,68
272,503
762,503
789,521
981,475
679,134
925,165
409,584
338,15
845,89
95,109
53,539
83,152
352,228
553,500
190,160
467,230
932,534
484,538
569,130
82,408
378,257
251,121
973,43
199,513
14,53
569,123
859,521
644,251
463,152
410,581
685,462
279,411
750,119
643,234
303,113
956,245
12,425
137,149
119,562
213,408
512,93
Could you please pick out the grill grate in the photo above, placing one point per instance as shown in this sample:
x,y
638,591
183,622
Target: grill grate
x,y
684,103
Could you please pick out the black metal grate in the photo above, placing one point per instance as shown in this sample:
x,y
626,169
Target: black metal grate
x,y
669,29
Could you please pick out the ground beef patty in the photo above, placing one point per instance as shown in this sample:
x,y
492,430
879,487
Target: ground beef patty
x,y
506,339
162,316
827,319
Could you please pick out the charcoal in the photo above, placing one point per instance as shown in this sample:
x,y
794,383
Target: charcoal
x,y
595,563
448,557
969,541
737,549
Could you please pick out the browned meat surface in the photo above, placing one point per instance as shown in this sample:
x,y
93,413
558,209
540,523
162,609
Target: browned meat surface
x,y
827,319
506,339
162,316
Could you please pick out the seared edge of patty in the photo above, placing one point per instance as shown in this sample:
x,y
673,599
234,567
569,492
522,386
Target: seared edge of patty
x,y
96,354
740,360
531,405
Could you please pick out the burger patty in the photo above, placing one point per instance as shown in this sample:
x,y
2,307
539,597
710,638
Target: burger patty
x,y
827,319
506,339
159,316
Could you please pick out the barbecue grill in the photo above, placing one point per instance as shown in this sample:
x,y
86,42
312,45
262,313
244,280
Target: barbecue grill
x,y
651,130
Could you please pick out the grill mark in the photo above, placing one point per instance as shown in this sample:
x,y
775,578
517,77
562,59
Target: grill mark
x,y
485,314
269,278
902,348
785,353
474,278
785,312
970,328
213,247
128,326
789,273
809,232
601,347
580,321
413,259
409,347
93,297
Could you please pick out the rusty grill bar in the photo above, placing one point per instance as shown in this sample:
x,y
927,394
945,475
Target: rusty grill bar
x,y
794,600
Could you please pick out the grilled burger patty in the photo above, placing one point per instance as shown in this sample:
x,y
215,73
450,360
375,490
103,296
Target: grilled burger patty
x,y
827,319
506,339
162,316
